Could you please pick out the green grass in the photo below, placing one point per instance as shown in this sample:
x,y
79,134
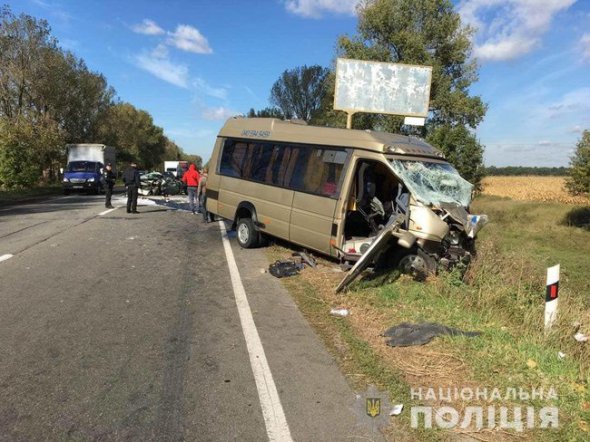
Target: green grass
x,y
502,296
354,355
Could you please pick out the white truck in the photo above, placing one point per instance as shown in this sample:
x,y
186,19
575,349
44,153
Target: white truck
x,y
171,166
85,166
177,168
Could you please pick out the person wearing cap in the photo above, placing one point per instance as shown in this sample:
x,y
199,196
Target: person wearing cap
x,y
109,180
131,180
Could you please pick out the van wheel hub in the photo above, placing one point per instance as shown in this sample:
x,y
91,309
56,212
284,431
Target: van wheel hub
x,y
243,233
417,265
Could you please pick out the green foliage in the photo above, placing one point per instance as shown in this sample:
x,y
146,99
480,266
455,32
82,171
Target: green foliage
x,y
24,147
299,91
578,182
461,149
267,112
133,132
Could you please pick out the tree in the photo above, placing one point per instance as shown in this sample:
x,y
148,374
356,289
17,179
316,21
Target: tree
x,y
462,150
44,92
267,112
422,32
299,91
133,132
24,149
578,182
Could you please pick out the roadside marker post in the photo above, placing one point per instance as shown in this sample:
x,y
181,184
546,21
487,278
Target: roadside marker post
x,y
551,296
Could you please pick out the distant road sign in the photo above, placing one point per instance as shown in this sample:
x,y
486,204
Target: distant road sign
x,y
385,88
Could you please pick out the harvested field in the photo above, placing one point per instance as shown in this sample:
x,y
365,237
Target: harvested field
x,y
531,188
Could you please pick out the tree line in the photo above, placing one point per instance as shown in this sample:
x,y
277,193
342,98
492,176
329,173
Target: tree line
x,y
49,98
526,170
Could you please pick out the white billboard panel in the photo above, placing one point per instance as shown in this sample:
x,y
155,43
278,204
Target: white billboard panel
x,y
385,88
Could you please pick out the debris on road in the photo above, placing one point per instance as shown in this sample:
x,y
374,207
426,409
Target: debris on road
x,y
396,410
407,334
307,259
284,268
342,312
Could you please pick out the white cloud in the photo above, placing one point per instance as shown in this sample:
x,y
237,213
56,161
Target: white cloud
x,y
577,129
147,27
572,104
315,8
189,39
203,87
160,51
163,68
218,113
511,28
585,46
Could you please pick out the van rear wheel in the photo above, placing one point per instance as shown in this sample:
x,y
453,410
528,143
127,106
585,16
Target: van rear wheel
x,y
248,236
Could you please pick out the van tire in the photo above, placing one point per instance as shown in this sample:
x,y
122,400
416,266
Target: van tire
x,y
248,236
415,262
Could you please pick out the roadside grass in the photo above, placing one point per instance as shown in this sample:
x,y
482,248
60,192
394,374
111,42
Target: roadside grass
x,y
501,296
10,196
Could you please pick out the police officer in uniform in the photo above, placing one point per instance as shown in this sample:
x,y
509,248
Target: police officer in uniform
x,y
109,180
131,180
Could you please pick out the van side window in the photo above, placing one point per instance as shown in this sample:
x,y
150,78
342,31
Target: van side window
x,y
233,159
319,171
308,169
261,157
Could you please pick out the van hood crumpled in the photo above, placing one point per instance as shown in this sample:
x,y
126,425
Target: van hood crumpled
x,y
433,183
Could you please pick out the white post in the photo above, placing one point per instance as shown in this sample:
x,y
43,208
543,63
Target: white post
x,y
551,296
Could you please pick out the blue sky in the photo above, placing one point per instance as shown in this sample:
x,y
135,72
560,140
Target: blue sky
x,y
192,64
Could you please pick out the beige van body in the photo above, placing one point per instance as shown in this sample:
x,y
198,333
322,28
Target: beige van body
x,y
332,190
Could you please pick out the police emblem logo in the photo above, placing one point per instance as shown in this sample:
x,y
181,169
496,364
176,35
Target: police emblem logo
x,y
373,405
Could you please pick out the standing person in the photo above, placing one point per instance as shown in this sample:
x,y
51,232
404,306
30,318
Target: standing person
x,y
203,200
201,190
191,178
109,180
131,180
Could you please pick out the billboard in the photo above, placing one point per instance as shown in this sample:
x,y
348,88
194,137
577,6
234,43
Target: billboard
x,y
384,88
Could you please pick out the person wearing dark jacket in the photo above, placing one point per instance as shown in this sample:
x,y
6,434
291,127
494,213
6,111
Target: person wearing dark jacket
x,y
109,181
131,180
191,178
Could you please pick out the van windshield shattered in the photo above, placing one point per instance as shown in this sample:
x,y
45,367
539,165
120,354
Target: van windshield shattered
x,y
433,183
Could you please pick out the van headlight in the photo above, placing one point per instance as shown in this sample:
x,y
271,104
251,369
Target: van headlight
x,y
66,180
90,180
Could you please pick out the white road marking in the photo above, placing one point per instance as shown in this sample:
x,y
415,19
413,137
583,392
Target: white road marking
x,y
107,211
277,427
5,257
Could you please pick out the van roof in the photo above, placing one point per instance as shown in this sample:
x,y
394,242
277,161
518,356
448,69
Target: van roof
x,y
299,132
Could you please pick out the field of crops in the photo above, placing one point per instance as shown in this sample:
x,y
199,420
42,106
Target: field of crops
x,y
531,188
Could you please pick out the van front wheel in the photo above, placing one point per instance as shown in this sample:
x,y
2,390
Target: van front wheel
x,y
248,236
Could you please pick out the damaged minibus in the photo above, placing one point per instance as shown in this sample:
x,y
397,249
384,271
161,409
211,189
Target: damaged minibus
x,y
340,191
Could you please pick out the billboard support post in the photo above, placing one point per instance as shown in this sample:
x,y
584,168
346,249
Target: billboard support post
x,y
349,119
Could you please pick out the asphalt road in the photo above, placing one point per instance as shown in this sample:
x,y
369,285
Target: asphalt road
x,y
125,327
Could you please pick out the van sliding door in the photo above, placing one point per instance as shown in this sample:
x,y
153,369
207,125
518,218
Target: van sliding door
x,y
317,181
